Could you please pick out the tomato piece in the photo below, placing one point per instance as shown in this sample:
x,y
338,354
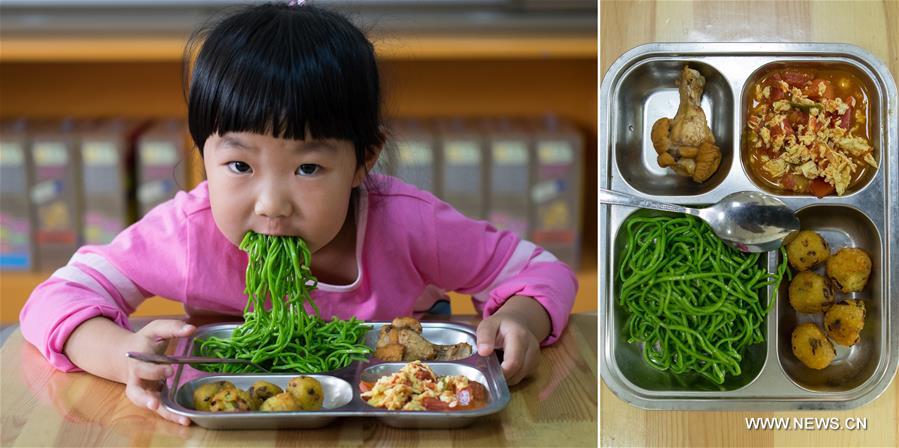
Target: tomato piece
x,y
775,130
781,129
813,89
829,92
846,118
776,94
796,79
788,181
821,188
478,392
434,404
797,184
788,130
796,118
365,386
425,375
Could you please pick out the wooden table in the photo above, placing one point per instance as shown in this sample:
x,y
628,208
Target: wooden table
x,y
45,407
872,25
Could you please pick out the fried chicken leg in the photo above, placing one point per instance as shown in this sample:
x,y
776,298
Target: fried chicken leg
x,y
686,143
402,341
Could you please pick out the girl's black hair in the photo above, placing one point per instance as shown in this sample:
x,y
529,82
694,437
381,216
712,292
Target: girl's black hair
x,y
284,71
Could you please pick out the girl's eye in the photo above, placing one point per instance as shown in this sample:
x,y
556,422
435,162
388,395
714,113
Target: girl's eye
x,y
307,169
239,167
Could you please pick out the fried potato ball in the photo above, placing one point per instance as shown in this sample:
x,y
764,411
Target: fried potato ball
x,y
203,395
849,268
811,347
810,292
806,250
844,321
307,391
263,390
231,399
284,401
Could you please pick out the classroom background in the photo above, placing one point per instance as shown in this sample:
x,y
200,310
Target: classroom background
x,y
490,105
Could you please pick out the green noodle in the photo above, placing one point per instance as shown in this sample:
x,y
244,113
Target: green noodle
x,y
692,301
285,338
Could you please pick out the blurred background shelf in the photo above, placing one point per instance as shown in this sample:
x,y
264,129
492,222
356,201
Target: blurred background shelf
x,y
478,58
126,48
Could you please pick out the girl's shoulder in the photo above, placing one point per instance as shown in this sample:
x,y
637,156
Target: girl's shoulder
x,y
406,209
384,186
187,209
193,201
396,210
393,193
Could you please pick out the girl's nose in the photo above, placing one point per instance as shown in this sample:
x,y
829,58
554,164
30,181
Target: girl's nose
x,y
273,203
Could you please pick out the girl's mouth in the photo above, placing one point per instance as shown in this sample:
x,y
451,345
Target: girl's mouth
x,y
275,228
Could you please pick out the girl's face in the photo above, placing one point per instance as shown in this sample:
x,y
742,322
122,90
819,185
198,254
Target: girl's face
x,y
280,187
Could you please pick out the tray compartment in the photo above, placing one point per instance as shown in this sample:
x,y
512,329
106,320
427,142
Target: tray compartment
x,y
337,394
497,391
628,357
873,119
840,226
438,333
647,92
373,373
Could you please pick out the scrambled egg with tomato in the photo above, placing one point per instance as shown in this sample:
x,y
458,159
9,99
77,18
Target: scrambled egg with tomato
x,y
415,387
807,131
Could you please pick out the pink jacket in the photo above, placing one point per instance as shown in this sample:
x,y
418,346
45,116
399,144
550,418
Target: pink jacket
x,y
408,240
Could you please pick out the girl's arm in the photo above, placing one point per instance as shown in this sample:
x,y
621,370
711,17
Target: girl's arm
x,y
493,266
525,293
98,346
109,281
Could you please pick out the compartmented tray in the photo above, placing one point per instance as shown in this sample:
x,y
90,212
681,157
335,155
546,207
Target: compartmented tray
x,y
639,88
341,387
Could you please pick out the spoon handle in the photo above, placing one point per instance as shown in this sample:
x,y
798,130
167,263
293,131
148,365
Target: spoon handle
x,y
616,198
163,359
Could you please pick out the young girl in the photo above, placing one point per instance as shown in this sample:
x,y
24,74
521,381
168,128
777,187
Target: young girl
x,y
284,106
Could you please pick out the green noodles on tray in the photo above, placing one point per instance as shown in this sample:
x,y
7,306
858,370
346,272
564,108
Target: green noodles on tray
x,y
691,300
285,338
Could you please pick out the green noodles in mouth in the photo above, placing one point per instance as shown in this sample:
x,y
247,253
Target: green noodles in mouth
x,y
285,338
692,301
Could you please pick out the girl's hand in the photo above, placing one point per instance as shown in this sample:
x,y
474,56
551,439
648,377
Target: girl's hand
x,y
145,379
521,349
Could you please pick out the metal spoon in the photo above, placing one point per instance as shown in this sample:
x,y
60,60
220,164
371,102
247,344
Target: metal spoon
x,y
165,359
749,221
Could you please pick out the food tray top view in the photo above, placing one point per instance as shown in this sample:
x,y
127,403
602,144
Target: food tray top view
x,y
476,384
690,323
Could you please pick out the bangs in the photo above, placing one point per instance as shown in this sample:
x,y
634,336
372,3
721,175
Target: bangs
x,y
288,72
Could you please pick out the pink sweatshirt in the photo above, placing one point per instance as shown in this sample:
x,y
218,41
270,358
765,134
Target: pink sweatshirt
x,y
410,245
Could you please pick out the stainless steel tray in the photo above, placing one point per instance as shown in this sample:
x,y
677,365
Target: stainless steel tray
x,y
341,387
640,88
